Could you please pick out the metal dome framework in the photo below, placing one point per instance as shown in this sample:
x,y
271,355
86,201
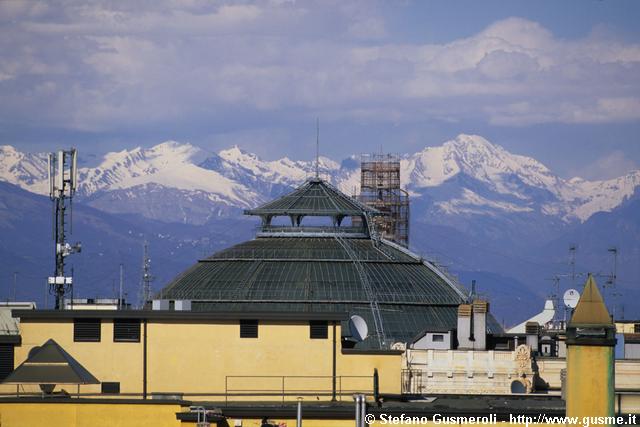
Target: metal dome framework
x,y
337,269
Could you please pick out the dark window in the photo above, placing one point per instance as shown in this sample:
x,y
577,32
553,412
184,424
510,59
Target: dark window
x,y
126,330
319,329
248,329
110,388
6,360
438,338
636,328
86,330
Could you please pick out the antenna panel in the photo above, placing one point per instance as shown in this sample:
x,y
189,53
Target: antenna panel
x,y
74,170
60,172
50,173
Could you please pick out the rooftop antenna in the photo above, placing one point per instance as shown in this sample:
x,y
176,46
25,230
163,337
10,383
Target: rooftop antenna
x,y
147,278
317,146
63,178
572,262
15,280
121,288
611,281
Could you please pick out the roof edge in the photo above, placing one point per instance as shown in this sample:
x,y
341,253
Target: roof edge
x,y
177,315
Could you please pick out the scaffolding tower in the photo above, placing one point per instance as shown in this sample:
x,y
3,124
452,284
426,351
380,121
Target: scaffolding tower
x,y
380,189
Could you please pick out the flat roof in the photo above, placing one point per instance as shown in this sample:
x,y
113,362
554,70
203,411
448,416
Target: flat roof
x,y
177,315
452,405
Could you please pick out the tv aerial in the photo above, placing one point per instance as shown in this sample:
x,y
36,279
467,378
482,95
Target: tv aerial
x,y
571,298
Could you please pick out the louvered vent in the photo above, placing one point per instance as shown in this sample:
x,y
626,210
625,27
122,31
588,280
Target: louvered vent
x,y
126,330
248,329
319,329
86,330
6,360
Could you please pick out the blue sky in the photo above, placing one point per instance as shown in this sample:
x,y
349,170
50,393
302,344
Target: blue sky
x,y
556,80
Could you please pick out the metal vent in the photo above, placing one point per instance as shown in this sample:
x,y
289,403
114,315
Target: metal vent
x,y
6,360
126,330
248,329
319,329
110,387
86,330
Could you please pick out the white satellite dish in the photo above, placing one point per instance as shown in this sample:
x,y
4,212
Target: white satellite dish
x,y
358,328
571,298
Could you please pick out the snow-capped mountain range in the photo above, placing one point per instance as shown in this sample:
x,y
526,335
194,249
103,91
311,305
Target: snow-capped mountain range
x,y
464,176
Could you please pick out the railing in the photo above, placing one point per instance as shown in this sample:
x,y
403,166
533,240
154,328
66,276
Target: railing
x,y
293,386
309,229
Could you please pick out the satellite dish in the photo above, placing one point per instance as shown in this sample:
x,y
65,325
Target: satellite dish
x,y
358,328
571,298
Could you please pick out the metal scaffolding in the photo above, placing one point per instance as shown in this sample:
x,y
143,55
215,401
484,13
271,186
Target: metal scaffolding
x,y
380,189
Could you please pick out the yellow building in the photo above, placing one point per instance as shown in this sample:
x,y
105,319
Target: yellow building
x,y
590,357
153,366
205,355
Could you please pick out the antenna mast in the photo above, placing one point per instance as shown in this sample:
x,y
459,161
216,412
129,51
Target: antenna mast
x,y
572,262
63,179
611,280
317,146
147,278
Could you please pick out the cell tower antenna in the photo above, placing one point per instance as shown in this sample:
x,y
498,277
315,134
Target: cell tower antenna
x,y
63,179
147,278
317,146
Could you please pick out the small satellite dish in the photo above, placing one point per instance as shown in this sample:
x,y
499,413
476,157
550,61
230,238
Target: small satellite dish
x,y
358,328
571,298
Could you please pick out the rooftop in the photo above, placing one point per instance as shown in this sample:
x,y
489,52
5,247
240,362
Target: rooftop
x,y
315,197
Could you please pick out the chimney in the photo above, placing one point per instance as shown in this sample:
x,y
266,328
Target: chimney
x,y
532,330
480,309
465,334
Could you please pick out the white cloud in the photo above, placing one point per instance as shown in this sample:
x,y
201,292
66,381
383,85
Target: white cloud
x,y
105,65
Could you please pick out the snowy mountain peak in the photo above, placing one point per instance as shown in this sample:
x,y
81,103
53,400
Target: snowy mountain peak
x,y
235,153
174,149
466,175
7,149
23,169
472,143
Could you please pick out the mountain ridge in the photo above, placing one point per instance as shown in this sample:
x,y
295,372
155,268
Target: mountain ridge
x,y
234,178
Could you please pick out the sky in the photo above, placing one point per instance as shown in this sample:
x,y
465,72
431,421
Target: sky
x,y
555,80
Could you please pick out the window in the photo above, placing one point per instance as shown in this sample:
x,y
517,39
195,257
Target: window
x,y
86,330
6,360
126,330
437,338
636,328
248,329
110,388
319,329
